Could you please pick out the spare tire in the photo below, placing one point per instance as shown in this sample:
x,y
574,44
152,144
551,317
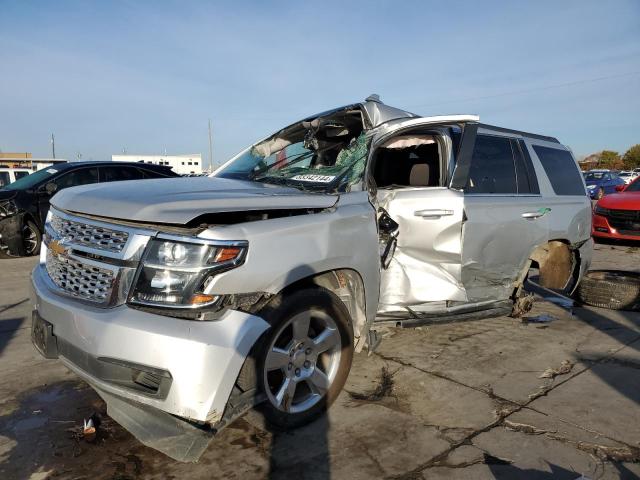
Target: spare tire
x,y
614,289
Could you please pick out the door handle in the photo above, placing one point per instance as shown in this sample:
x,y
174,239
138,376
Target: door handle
x,y
436,213
537,214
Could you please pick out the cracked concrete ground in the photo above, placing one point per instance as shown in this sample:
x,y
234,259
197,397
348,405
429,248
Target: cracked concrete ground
x,y
461,400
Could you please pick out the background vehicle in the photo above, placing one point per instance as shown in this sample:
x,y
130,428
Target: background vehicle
x,y
627,176
257,285
617,216
601,183
24,203
10,175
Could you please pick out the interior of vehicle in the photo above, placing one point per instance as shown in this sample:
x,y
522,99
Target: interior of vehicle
x,y
412,159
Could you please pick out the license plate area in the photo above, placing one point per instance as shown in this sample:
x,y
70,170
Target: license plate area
x,y
42,336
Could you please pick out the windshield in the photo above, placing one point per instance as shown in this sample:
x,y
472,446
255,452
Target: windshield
x,y
32,180
594,176
323,154
633,186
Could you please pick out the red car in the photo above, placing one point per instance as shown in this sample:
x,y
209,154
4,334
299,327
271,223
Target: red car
x,y
617,216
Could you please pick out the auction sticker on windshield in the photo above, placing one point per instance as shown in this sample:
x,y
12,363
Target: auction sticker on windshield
x,y
314,178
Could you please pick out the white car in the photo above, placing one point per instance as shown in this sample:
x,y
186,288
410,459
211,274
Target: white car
x,y
185,301
10,175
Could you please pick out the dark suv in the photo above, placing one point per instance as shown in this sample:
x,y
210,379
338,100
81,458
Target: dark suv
x,y
24,204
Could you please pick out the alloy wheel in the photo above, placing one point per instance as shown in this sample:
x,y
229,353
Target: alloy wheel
x,y
302,361
30,239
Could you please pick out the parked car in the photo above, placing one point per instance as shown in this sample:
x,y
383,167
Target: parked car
x,y
618,216
24,203
256,285
601,183
10,175
627,176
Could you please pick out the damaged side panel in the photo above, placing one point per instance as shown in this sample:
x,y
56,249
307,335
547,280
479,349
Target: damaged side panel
x,y
426,266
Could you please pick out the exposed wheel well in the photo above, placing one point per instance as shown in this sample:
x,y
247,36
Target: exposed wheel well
x,y
558,263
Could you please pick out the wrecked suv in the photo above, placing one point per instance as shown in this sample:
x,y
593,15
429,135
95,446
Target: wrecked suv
x,y
186,301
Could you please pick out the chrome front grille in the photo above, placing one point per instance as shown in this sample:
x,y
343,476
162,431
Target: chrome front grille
x,y
80,279
92,236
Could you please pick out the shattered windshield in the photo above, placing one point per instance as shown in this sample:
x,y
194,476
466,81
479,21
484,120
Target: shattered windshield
x,y
323,154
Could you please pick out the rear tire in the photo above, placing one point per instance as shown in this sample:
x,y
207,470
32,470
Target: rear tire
x,y
616,290
302,365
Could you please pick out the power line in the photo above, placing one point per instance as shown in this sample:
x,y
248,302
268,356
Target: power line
x,y
530,90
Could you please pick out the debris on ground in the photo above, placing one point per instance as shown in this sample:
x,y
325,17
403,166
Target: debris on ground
x,y
524,428
88,431
565,367
543,318
383,389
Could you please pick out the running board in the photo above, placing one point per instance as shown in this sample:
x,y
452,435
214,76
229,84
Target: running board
x,y
463,314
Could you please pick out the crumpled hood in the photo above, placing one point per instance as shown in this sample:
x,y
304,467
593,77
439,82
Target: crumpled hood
x,y
180,200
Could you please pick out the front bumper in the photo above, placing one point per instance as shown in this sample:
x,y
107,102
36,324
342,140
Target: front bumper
x,y
201,359
602,229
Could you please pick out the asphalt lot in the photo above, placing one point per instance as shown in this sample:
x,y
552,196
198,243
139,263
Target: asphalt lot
x,y
461,400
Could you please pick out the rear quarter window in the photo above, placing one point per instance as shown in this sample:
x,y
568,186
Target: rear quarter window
x,y
561,169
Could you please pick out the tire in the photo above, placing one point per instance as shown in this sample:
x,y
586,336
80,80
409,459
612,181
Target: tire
x,y
617,290
600,193
32,239
301,361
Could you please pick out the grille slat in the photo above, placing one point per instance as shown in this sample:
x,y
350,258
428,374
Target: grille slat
x,y
626,221
89,235
80,279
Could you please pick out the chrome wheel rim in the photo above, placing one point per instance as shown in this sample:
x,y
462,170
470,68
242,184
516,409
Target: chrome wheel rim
x,y
30,239
302,361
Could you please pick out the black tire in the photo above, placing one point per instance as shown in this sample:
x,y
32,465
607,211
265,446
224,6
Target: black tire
x,y
278,313
31,229
617,290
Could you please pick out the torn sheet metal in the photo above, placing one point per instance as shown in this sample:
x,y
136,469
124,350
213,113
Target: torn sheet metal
x,y
426,266
407,141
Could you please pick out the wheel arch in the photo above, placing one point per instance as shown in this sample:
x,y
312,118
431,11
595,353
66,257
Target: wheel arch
x,y
558,261
347,284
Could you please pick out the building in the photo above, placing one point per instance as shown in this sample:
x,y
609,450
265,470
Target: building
x,y
181,164
26,160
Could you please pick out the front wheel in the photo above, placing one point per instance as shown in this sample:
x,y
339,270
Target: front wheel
x,y
31,238
305,358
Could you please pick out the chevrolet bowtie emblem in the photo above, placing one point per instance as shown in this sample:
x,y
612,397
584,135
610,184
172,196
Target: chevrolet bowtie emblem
x,y
56,247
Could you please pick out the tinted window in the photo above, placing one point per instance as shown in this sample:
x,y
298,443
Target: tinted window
x,y
152,174
492,168
115,174
4,179
77,177
19,175
525,173
561,169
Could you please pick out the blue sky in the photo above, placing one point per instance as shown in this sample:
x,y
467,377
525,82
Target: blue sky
x,y
146,76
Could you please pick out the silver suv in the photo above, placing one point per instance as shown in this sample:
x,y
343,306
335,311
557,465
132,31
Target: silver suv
x,y
186,301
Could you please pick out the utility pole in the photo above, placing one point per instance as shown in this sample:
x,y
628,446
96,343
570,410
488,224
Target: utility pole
x,y
210,147
53,145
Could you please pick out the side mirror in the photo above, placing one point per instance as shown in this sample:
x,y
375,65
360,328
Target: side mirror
x,y
620,188
51,188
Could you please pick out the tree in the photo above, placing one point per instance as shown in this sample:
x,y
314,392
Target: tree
x,y
631,158
609,159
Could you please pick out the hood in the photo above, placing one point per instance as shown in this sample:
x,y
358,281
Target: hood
x,y
180,200
7,194
621,201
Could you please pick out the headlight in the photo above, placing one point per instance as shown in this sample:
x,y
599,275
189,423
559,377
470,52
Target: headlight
x,y
601,211
176,273
8,208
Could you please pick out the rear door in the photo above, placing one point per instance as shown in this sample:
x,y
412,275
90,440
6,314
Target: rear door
x,y
506,217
